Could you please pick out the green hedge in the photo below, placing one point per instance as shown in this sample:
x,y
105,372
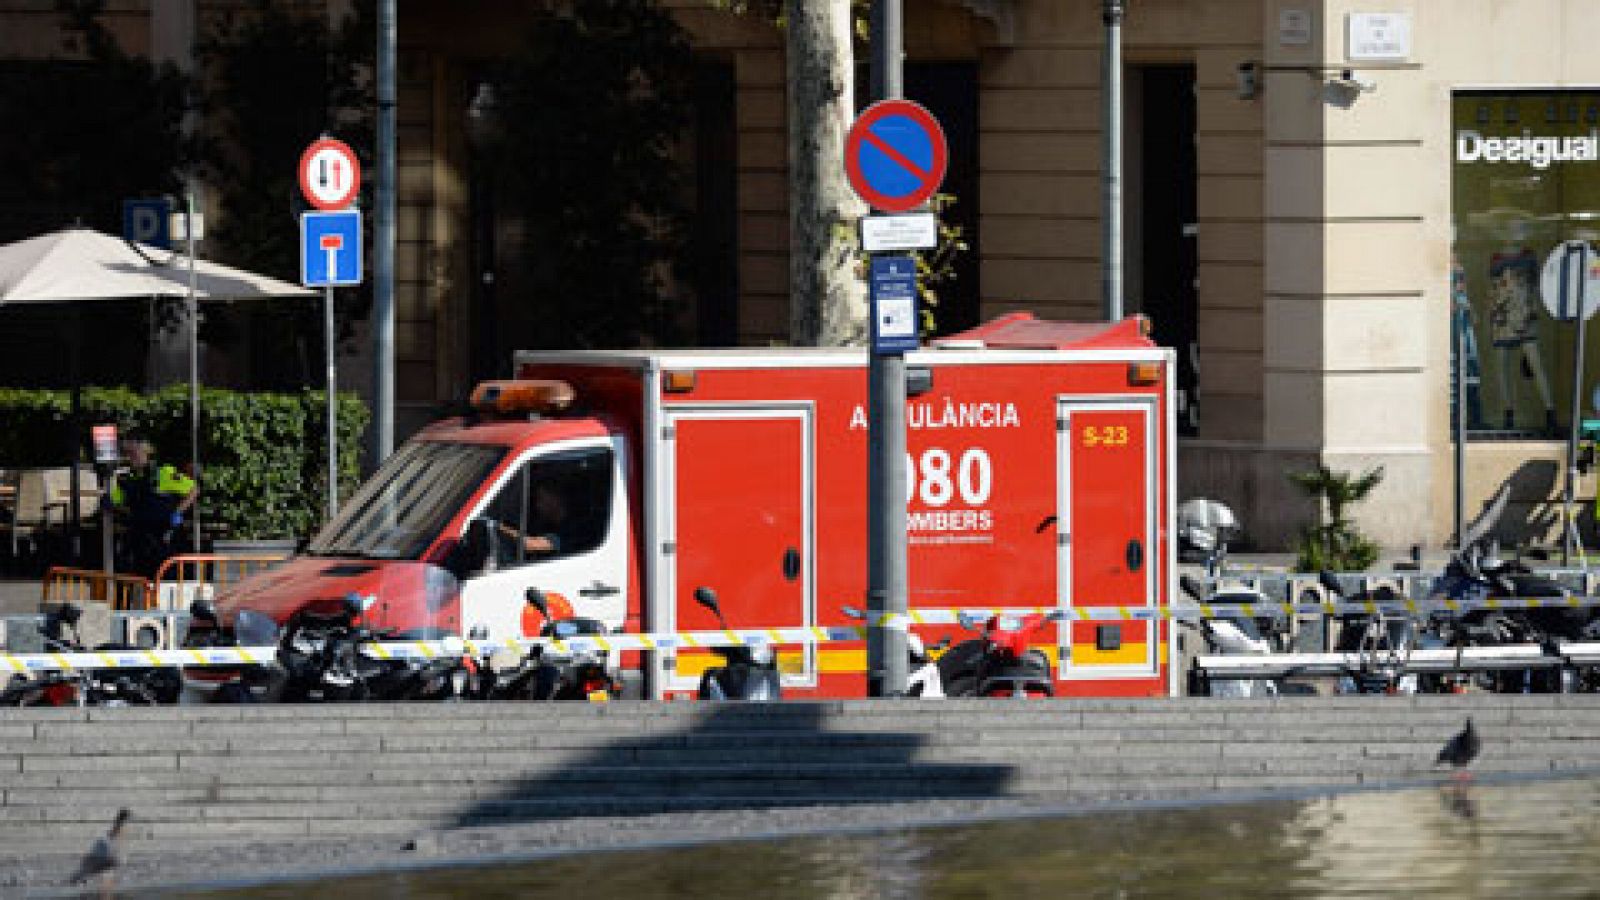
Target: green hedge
x,y
262,456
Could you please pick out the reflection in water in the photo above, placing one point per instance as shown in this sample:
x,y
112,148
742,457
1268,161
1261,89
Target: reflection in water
x,y
1531,839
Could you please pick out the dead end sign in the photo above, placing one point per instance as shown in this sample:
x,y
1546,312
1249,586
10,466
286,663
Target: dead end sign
x,y
895,155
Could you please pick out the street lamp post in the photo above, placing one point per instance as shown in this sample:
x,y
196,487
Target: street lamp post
x,y
1111,13
482,133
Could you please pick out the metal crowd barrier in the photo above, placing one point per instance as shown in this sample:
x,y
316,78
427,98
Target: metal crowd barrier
x,y
1417,662
64,584
186,578
1394,594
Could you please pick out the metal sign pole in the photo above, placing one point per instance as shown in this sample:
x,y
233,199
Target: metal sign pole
x,y
886,438
1458,324
333,407
1577,257
194,367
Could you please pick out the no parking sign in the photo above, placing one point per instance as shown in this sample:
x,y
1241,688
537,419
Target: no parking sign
x,y
895,155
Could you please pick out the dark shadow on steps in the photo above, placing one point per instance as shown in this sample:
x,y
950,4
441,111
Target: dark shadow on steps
x,y
729,756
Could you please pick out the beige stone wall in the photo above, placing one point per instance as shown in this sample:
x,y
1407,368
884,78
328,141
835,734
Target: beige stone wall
x,y
1041,105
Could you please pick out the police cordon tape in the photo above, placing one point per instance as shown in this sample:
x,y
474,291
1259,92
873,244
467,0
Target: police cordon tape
x,y
758,637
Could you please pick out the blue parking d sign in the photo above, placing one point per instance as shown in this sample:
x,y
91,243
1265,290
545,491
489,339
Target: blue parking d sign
x,y
147,220
330,248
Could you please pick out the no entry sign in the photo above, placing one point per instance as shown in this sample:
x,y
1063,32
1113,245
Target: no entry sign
x,y
895,155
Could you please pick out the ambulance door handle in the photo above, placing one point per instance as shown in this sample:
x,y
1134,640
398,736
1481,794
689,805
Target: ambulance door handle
x,y
791,564
1135,555
599,590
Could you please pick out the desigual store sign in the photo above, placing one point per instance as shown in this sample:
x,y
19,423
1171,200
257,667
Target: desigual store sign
x,y
1525,178
1536,151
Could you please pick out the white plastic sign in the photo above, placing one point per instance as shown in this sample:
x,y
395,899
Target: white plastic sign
x,y
1576,263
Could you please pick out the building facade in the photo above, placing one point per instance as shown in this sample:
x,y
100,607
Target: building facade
x,y
1322,197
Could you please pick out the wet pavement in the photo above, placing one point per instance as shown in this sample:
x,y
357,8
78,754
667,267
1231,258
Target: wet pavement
x,y
1509,838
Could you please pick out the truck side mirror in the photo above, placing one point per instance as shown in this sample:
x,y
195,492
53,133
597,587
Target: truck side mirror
x,y
708,598
355,604
203,611
1192,587
1330,583
476,551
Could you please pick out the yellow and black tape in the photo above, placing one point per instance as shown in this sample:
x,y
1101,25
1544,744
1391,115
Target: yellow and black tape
x,y
25,663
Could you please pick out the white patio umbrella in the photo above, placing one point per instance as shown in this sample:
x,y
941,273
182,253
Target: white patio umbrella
x,y
84,264
81,265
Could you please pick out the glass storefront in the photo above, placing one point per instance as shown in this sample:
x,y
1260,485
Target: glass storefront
x,y
1525,178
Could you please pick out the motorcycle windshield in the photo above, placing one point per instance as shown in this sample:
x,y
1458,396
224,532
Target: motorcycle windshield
x,y
414,600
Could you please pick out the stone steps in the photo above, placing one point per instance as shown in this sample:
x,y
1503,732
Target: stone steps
x,y
300,772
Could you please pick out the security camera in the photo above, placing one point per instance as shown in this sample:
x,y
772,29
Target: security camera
x,y
1342,91
1349,79
1248,80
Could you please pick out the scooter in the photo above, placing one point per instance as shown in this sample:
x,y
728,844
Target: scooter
x,y
214,684
142,686
922,678
551,674
747,673
1230,637
999,662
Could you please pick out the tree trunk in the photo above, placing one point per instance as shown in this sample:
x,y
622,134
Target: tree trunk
x,y
827,301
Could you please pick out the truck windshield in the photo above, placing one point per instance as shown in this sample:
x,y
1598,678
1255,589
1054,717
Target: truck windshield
x,y
399,512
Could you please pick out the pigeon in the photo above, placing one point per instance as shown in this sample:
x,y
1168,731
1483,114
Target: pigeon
x,y
104,854
1461,750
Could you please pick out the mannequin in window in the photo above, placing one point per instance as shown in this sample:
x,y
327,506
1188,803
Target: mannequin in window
x,y
1514,321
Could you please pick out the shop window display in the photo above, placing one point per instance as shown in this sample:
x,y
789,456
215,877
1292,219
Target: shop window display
x,y
1526,177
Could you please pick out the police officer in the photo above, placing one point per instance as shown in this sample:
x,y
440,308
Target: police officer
x,y
152,499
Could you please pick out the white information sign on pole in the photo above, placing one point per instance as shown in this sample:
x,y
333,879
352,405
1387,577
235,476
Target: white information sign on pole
x,y
1576,263
887,234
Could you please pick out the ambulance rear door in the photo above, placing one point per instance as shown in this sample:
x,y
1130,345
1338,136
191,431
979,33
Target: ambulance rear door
x,y
1109,504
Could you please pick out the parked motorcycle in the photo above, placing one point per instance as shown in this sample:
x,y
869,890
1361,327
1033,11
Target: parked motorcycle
x,y
747,673
922,676
1476,573
140,686
1232,636
216,684
999,662
322,660
1382,642
550,674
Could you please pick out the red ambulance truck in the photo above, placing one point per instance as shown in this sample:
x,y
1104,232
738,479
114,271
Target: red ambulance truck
x,y
1039,473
